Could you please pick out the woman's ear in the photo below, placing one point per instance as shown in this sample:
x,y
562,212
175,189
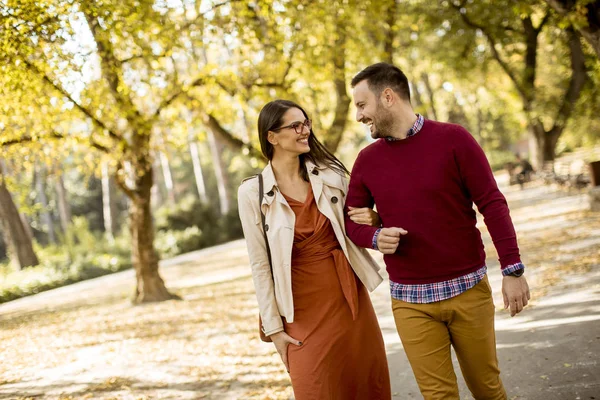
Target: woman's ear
x,y
272,138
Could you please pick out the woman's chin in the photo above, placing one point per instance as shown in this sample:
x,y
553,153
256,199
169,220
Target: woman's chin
x,y
303,149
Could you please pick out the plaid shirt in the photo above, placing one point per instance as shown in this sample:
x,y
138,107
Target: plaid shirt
x,y
437,291
412,131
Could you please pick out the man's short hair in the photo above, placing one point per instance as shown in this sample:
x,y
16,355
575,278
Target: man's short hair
x,y
381,76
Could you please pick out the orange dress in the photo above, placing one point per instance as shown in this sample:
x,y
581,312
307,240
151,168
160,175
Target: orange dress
x,y
342,354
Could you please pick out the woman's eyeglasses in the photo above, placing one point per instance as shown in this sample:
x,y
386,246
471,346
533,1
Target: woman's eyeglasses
x,y
298,126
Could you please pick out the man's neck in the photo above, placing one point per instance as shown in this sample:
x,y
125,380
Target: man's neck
x,y
405,119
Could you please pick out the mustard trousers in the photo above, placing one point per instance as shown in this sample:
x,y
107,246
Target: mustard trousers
x,y
465,322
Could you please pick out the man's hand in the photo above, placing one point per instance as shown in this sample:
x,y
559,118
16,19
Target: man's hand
x,y
364,216
516,293
281,340
388,239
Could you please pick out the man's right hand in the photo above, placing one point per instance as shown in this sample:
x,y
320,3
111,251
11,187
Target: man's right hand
x,y
388,239
281,340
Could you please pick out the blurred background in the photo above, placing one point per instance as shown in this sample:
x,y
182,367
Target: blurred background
x,y
127,126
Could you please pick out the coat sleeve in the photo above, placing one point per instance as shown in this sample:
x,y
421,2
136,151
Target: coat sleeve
x,y
257,252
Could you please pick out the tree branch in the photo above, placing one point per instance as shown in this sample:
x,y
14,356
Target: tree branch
x,y
54,136
576,83
112,71
120,181
81,108
181,92
201,15
226,137
591,32
543,22
503,64
28,139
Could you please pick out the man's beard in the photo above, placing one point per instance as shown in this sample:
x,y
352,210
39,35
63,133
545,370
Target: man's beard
x,y
384,123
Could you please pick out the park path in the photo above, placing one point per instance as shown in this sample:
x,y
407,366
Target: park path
x,y
86,341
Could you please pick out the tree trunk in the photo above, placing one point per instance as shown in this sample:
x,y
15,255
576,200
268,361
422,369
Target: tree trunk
x,y
536,144
27,225
417,101
479,131
546,140
108,204
388,45
544,144
549,146
430,94
220,172
40,181
198,170
64,209
457,114
18,241
336,131
166,170
150,286
156,193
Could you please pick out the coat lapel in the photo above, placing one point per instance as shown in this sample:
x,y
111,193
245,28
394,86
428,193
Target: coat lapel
x,y
269,185
316,181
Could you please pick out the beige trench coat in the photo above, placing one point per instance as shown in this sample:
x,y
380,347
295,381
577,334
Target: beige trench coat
x,y
275,300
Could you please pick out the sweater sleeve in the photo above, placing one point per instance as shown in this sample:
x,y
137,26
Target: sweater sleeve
x,y
358,196
479,182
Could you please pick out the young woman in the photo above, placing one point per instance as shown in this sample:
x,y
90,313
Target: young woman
x,y
314,305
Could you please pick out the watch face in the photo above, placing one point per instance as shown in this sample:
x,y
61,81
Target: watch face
x,y
518,273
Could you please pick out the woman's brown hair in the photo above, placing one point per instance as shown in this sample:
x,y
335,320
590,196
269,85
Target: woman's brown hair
x,y
271,118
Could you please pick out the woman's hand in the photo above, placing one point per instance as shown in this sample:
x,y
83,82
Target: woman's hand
x,y
281,340
364,216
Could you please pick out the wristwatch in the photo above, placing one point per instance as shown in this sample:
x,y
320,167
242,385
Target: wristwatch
x,y
517,273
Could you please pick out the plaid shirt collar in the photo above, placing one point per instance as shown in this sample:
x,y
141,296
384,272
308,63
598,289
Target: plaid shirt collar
x,y
412,131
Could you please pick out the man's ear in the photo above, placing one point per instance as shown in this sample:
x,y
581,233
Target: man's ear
x,y
388,97
272,138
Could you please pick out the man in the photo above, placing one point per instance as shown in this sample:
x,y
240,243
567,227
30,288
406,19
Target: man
x,y
424,177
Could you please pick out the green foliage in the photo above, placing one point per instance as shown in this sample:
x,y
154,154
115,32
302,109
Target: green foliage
x,y
191,225
91,256
135,79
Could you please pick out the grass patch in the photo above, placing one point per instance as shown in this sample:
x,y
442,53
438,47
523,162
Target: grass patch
x,y
84,256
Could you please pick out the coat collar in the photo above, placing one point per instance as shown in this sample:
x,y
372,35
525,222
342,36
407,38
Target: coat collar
x,y
270,191
317,174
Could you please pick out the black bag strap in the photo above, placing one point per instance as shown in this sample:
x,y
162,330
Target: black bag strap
x,y
262,218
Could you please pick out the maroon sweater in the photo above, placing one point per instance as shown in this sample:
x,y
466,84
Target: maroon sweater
x,y
427,184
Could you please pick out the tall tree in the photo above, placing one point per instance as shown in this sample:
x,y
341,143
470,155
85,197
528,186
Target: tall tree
x,y
18,241
41,178
166,169
62,201
108,203
216,150
513,35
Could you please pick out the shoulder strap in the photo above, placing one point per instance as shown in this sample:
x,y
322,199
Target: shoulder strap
x,y
262,217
